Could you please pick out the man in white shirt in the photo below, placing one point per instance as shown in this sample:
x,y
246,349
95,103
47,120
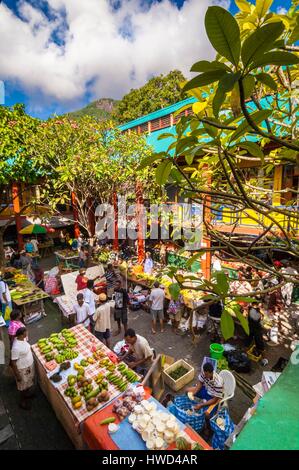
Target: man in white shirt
x,y
102,319
82,311
156,300
90,300
34,242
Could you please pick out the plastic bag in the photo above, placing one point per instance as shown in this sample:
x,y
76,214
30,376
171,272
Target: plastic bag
x,y
7,313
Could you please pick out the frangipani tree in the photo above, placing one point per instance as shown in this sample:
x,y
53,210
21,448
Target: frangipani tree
x,y
246,110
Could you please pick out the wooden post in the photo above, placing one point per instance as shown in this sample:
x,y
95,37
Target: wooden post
x,y
16,208
115,240
206,242
75,213
278,170
140,239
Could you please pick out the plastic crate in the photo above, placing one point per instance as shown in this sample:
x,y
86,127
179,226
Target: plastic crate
x,y
182,381
252,356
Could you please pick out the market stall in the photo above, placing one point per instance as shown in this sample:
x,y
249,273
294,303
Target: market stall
x,y
27,296
79,376
139,423
68,257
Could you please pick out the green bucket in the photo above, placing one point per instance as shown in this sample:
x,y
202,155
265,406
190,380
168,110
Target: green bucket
x,y
216,351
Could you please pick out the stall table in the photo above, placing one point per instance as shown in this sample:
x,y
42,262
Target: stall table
x,y
70,418
70,261
46,249
31,303
97,437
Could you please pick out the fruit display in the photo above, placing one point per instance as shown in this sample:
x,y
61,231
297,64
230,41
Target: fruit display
x,y
56,377
59,347
184,442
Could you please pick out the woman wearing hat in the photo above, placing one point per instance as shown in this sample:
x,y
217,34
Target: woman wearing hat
x,y
102,318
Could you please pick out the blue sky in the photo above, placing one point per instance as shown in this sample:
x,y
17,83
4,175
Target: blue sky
x,y
58,55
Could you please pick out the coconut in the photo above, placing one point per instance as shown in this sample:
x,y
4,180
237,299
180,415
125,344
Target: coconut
x,y
135,425
164,417
132,418
160,427
169,437
138,409
150,444
142,424
159,443
145,435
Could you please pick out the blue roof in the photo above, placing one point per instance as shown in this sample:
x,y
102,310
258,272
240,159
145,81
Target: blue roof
x,y
157,114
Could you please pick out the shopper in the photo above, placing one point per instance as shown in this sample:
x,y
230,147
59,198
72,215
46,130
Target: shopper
x,y
111,278
29,247
156,300
256,331
82,312
23,366
121,307
148,263
90,300
14,324
174,311
287,289
81,279
5,297
16,261
82,257
25,262
39,277
140,355
102,319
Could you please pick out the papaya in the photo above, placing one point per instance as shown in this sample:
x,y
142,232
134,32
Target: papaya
x,y
93,393
78,405
76,400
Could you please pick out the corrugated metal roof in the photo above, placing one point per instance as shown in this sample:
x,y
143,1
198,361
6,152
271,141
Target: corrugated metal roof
x,y
157,114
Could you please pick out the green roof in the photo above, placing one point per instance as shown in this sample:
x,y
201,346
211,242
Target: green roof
x,y
275,423
157,114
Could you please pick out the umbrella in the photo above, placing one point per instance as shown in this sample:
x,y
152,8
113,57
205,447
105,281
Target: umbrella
x,y
33,229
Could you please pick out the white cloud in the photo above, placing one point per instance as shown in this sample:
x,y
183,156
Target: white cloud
x,y
282,11
95,54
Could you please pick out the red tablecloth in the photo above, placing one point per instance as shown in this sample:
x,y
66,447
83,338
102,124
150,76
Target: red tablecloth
x,y
97,437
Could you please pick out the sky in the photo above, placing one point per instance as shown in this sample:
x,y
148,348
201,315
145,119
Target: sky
x,y
58,55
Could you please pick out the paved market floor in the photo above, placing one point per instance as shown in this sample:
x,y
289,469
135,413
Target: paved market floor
x,y
39,428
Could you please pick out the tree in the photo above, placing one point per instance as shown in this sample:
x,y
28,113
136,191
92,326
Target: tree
x,y
15,162
247,109
90,159
157,93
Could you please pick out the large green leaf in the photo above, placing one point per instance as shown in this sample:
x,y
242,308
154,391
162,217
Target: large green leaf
x,y
149,160
206,66
257,117
194,258
276,58
166,135
224,33
248,85
260,41
267,80
243,5
222,282
253,148
226,84
174,290
204,79
162,172
262,6
227,325
241,318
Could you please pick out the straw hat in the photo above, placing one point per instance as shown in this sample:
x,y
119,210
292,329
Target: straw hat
x,y
102,297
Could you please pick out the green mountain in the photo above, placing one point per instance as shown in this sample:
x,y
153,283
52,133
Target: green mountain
x,y
100,109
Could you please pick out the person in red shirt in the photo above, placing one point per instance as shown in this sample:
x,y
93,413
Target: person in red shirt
x,y
81,280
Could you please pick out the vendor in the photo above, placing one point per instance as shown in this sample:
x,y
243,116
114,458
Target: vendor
x,y
90,300
209,389
148,263
81,279
111,278
140,355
